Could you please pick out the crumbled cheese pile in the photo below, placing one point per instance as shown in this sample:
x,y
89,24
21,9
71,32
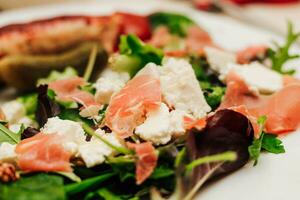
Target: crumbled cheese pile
x,y
92,152
182,95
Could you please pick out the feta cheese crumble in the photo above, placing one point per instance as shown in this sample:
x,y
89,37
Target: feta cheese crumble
x,y
95,151
108,84
181,89
177,123
72,131
156,126
258,77
92,152
218,60
161,125
13,111
7,152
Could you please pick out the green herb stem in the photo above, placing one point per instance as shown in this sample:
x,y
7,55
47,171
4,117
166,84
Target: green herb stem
x,y
91,63
75,188
226,156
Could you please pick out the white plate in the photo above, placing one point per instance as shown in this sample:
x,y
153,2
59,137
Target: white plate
x,y
276,177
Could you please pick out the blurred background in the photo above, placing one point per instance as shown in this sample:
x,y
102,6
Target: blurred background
x,y
268,14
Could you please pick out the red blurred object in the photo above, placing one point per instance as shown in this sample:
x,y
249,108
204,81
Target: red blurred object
x,y
133,24
263,1
209,4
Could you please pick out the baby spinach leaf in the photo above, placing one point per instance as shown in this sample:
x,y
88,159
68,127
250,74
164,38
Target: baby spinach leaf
x,y
36,187
176,23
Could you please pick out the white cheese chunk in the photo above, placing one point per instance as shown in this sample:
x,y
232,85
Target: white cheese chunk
x,y
181,89
13,111
150,69
71,131
25,121
95,151
161,125
177,123
258,77
108,84
7,152
92,152
218,60
156,126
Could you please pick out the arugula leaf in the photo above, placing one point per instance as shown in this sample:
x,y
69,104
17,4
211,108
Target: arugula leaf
x,y
255,148
36,187
176,23
272,144
135,55
69,72
267,142
280,55
8,136
87,184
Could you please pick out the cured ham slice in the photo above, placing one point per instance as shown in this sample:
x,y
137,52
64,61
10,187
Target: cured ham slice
x,y
43,152
281,108
128,107
147,160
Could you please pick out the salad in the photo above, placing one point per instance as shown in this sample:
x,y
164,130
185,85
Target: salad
x,y
154,110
